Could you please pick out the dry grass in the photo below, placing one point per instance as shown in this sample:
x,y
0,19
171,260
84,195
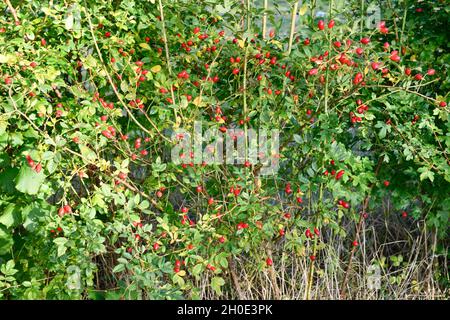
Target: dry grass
x,y
382,238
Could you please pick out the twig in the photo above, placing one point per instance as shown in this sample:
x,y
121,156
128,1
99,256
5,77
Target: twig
x,y
13,11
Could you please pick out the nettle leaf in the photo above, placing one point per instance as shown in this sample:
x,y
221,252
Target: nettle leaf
x,y
29,181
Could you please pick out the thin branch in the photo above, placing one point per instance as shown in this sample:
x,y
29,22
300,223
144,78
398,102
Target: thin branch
x,y
13,11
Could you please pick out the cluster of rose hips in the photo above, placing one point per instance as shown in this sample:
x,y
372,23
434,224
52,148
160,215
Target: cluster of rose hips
x,y
66,209
57,232
37,167
344,204
177,265
310,235
337,174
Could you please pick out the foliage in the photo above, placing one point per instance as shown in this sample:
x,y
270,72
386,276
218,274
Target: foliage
x,y
91,92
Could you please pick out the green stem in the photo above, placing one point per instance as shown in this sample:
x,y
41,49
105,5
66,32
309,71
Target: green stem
x,y
313,9
264,19
404,22
362,16
291,34
328,67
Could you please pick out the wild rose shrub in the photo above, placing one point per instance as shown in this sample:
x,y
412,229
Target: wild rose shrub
x,y
91,93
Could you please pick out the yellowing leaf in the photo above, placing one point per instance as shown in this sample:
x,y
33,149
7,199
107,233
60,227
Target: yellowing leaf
x,y
9,58
303,9
198,101
144,45
241,43
69,22
156,69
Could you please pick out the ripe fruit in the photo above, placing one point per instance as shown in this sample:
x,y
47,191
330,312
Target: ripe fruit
x,y
183,75
221,239
155,246
404,214
312,257
331,24
308,233
196,30
235,71
269,262
358,78
442,104
394,56
386,183
288,189
321,25
313,71
365,40
382,27
340,174
107,34
355,243
316,231
38,168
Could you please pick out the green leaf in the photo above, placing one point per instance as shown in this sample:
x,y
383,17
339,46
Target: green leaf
x,y
87,154
216,284
10,217
29,181
197,269
119,268
6,240
61,244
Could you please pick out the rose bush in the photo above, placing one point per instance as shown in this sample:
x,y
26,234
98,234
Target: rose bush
x,y
91,205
